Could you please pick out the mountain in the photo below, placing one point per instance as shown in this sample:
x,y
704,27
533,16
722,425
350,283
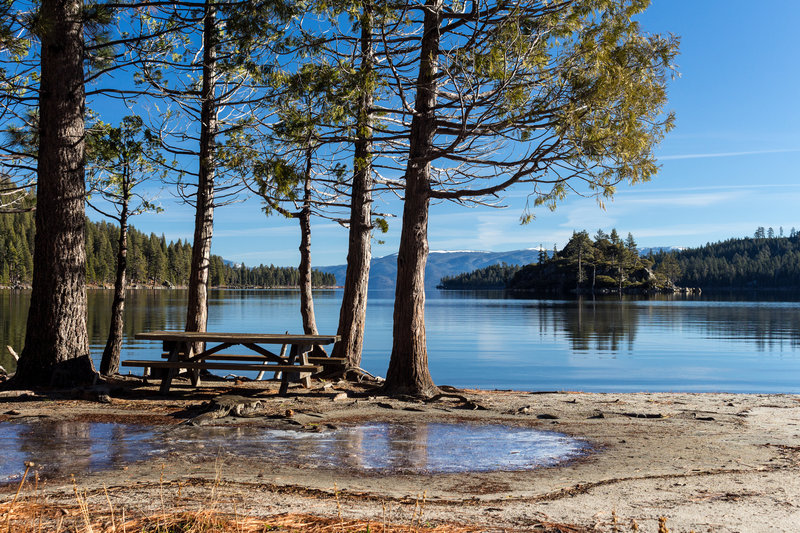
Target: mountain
x,y
644,252
383,270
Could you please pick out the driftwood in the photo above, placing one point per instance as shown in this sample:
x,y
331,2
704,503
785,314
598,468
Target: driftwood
x,y
229,405
12,352
466,403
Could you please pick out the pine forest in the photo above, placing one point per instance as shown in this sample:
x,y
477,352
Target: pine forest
x,y
152,261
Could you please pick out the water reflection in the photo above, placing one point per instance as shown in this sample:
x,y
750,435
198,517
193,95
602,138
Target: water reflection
x,y
605,329
493,340
63,448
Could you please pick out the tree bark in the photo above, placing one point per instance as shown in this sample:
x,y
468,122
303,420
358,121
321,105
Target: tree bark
x,y
306,296
56,342
408,367
353,311
197,309
109,364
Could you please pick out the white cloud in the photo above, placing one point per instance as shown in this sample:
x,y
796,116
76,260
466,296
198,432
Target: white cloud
x,y
726,154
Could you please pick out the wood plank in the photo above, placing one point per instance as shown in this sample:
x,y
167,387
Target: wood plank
x,y
326,361
236,338
237,357
223,366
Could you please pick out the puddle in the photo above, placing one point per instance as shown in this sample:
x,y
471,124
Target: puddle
x,y
63,448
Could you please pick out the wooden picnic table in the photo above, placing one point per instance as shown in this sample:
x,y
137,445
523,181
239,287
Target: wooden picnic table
x,y
179,353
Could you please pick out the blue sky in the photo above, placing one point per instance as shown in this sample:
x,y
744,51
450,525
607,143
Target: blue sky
x,y
727,168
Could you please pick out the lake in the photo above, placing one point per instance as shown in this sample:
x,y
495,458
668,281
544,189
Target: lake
x,y
491,341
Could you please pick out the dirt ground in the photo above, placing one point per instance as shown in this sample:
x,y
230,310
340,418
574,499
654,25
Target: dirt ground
x,y
708,462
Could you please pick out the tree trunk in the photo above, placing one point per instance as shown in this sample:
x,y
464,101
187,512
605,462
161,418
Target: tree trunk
x,y
306,296
353,311
56,343
197,310
109,364
408,367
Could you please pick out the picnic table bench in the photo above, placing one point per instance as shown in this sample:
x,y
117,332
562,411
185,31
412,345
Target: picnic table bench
x,y
179,354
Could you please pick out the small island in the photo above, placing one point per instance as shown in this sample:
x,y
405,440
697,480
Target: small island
x,y
605,263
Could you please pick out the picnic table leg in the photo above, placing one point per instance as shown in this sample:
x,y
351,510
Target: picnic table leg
x,y
305,377
194,373
285,375
174,355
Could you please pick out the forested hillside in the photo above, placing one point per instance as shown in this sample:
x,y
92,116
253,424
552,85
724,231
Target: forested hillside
x,y
763,261
151,259
491,277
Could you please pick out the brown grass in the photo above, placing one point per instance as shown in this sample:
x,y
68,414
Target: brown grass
x,y
29,512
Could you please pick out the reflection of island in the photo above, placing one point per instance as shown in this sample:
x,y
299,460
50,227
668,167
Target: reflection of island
x,y
608,326
769,327
592,325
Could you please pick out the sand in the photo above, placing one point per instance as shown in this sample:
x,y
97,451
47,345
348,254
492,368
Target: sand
x,y
708,462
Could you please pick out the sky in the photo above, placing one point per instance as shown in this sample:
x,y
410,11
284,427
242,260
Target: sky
x,y
726,169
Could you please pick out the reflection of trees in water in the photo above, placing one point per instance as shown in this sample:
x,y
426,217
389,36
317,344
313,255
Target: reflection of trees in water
x,y
607,326
13,316
59,447
146,309
768,327
408,446
381,446
592,325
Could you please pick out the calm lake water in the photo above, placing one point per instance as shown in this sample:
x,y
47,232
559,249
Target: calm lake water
x,y
487,340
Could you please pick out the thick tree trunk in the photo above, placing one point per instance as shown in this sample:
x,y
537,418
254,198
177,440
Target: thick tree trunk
x,y
197,309
408,367
109,364
56,343
353,312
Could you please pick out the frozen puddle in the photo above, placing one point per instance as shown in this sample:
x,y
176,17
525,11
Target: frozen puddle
x,y
385,447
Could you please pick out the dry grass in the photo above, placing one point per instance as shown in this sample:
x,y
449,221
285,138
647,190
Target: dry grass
x,y
30,512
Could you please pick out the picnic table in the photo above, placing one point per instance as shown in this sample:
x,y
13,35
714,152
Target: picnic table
x,y
178,348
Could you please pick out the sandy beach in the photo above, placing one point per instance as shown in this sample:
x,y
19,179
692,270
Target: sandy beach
x,y
707,462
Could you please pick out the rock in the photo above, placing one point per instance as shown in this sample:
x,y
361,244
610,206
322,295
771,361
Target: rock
x,y
546,416
342,396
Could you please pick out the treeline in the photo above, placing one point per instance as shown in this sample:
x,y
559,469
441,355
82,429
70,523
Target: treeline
x,y
491,277
760,262
151,259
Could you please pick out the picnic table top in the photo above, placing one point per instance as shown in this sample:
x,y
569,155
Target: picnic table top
x,y
235,338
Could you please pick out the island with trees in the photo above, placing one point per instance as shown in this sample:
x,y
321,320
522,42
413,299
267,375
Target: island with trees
x,y
606,263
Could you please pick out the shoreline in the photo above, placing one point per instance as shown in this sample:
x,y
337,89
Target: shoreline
x,y
706,461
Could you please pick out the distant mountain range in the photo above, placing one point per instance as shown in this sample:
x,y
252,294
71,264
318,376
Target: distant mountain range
x,y
383,270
